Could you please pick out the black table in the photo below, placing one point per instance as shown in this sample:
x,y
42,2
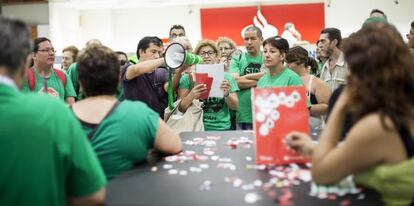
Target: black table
x,y
150,183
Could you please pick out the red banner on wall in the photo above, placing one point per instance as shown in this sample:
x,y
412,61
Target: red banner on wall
x,y
309,20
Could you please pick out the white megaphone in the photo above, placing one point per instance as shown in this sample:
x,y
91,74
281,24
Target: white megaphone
x,y
176,56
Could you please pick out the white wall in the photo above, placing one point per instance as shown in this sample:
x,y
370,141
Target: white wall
x,y
348,15
32,14
121,28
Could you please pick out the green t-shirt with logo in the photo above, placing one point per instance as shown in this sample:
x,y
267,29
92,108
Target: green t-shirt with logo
x,y
124,138
245,64
216,113
55,86
43,162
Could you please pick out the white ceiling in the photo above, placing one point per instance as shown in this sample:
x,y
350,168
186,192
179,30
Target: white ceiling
x,y
104,4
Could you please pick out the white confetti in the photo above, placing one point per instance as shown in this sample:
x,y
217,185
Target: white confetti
x,y
251,197
167,166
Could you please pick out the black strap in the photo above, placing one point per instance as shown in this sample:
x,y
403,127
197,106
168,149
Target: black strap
x,y
92,133
405,136
407,140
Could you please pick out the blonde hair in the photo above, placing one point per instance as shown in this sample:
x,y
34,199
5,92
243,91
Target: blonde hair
x,y
224,39
206,42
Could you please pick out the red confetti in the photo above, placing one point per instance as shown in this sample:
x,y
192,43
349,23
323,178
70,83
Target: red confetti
x,y
345,202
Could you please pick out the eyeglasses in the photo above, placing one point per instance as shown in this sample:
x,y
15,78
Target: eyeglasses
x,y
47,50
209,53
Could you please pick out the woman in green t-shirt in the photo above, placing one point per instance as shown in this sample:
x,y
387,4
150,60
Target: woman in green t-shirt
x,y
121,133
275,49
216,114
379,148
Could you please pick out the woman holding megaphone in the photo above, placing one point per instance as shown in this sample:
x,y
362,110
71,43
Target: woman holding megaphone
x,y
216,110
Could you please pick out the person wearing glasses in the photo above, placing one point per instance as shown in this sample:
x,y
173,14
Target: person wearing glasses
x,y
216,114
227,48
43,78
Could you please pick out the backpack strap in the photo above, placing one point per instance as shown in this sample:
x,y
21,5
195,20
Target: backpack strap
x,y
31,78
61,75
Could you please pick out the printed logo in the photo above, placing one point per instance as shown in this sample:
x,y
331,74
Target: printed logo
x,y
260,21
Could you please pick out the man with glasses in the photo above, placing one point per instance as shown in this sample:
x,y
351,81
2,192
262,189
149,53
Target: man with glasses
x,y
246,69
335,70
43,78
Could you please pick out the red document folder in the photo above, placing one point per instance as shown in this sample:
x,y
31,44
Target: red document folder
x,y
203,78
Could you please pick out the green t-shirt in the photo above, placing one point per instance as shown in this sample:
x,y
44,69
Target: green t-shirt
x,y
124,137
285,78
55,86
74,76
46,155
245,64
395,183
216,113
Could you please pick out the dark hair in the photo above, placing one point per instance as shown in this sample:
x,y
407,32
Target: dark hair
x,y
37,41
98,69
412,24
255,28
333,33
378,11
280,43
382,74
122,53
15,43
144,43
176,26
299,55
72,49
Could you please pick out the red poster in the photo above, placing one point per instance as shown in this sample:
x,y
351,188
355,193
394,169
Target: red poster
x,y
309,20
203,78
276,112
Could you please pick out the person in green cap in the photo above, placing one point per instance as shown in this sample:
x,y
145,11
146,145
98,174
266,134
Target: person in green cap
x,y
47,159
379,148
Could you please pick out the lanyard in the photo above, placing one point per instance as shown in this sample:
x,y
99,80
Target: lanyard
x,y
8,82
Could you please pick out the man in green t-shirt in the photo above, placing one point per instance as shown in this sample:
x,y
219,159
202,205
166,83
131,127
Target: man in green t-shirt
x,y
42,78
246,69
42,162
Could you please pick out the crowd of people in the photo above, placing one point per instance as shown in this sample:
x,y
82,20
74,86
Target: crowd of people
x,y
104,113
